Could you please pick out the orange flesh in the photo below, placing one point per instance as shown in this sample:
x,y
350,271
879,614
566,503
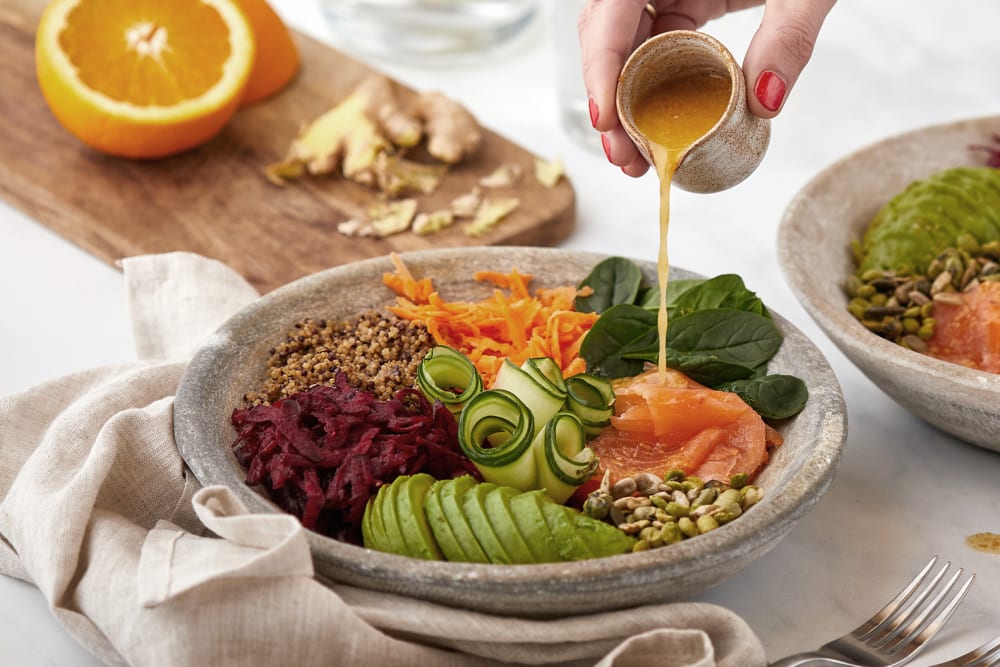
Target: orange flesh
x,y
969,334
680,424
147,62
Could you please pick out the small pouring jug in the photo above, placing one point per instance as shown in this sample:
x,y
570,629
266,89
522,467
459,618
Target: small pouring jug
x,y
734,146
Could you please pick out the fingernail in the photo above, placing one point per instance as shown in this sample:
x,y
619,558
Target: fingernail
x,y
594,112
607,145
769,90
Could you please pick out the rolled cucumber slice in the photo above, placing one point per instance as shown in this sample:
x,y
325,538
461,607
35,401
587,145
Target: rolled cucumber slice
x,y
538,393
495,431
447,375
562,458
592,399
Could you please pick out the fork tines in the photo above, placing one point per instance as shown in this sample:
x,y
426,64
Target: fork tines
x,y
918,612
987,655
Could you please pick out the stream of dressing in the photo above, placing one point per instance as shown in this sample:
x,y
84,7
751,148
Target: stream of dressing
x,y
672,117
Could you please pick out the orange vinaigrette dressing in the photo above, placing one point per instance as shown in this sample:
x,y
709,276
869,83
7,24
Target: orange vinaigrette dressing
x,y
672,117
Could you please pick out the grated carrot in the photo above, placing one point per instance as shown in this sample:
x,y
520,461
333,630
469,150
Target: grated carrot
x,y
515,325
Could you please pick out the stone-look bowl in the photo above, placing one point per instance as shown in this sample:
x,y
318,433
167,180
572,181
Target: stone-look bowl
x,y
733,148
234,359
814,251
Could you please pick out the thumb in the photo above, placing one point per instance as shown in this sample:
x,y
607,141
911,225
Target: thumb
x,y
779,50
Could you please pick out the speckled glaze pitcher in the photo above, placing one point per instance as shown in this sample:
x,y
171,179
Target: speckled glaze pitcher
x,y
733,148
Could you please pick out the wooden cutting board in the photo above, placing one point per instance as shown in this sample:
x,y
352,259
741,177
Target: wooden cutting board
x,y
215,200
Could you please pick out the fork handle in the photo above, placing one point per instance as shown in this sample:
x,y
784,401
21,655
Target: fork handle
x,y
810,659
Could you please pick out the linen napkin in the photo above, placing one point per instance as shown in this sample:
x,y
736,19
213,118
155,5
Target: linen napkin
x,y
144,567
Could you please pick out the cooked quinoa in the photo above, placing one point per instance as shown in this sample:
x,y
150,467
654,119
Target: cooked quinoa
x,y
379,353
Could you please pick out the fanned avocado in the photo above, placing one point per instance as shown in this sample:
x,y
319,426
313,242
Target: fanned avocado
x,y
527,511
452,495
929,215
386,502
475,511
440,527
563,529
497,504
412,518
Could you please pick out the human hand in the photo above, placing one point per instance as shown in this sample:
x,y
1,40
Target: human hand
x,y
611,29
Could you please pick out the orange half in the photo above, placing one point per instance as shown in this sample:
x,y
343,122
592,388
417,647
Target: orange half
x,y
143,78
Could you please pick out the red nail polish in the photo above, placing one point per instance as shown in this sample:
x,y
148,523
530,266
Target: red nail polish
x,y
594,112
769,90
607,145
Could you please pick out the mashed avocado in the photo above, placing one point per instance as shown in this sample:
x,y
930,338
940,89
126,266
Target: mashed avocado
x,y
929,215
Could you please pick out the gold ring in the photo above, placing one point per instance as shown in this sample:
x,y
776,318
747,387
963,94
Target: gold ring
x,y
651,10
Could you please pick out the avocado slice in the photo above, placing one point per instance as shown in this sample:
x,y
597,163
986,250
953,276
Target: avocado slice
x,y
412,518
452,495
601,538
386,500
497,503
563,530
475,511
527,510
372,532
440,527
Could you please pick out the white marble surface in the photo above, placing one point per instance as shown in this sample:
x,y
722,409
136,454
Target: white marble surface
x,y
904,491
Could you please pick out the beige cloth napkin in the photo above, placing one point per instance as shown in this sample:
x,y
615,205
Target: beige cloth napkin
x,y
144,567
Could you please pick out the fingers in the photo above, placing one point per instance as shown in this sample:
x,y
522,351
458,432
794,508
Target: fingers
x,y
779,50
608,30
622,152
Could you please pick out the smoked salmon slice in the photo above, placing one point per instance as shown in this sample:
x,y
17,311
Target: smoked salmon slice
x,y
969,333
680,424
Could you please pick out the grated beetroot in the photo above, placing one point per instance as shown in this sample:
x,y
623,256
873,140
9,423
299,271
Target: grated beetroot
x,y
992,152
323,452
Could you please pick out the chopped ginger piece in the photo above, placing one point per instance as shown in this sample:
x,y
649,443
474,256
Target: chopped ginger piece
x,y
355,227
465,206
397,176
428,223
503,176
392,217
490,212
549,173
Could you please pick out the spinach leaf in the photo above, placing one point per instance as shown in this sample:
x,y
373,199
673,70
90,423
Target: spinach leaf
x,y
622,329
615,280
676,288
649,297
724,291
772,396
743,338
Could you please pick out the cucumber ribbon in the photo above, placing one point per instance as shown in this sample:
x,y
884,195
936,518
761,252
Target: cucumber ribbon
x,y
530,430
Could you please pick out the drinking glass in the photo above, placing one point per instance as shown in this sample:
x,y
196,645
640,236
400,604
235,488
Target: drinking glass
x,y
574,111
408,29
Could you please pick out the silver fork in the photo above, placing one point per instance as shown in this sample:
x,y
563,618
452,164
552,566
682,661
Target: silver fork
x,y
987,655
897,632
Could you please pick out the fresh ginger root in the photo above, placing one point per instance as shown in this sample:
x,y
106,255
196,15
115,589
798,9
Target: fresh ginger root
x,y
365,133
344,137
365,138
452,132
401,128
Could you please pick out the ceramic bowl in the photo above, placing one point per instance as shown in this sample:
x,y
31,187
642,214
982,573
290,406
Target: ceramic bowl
x,y
234,359
814,251
733,148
